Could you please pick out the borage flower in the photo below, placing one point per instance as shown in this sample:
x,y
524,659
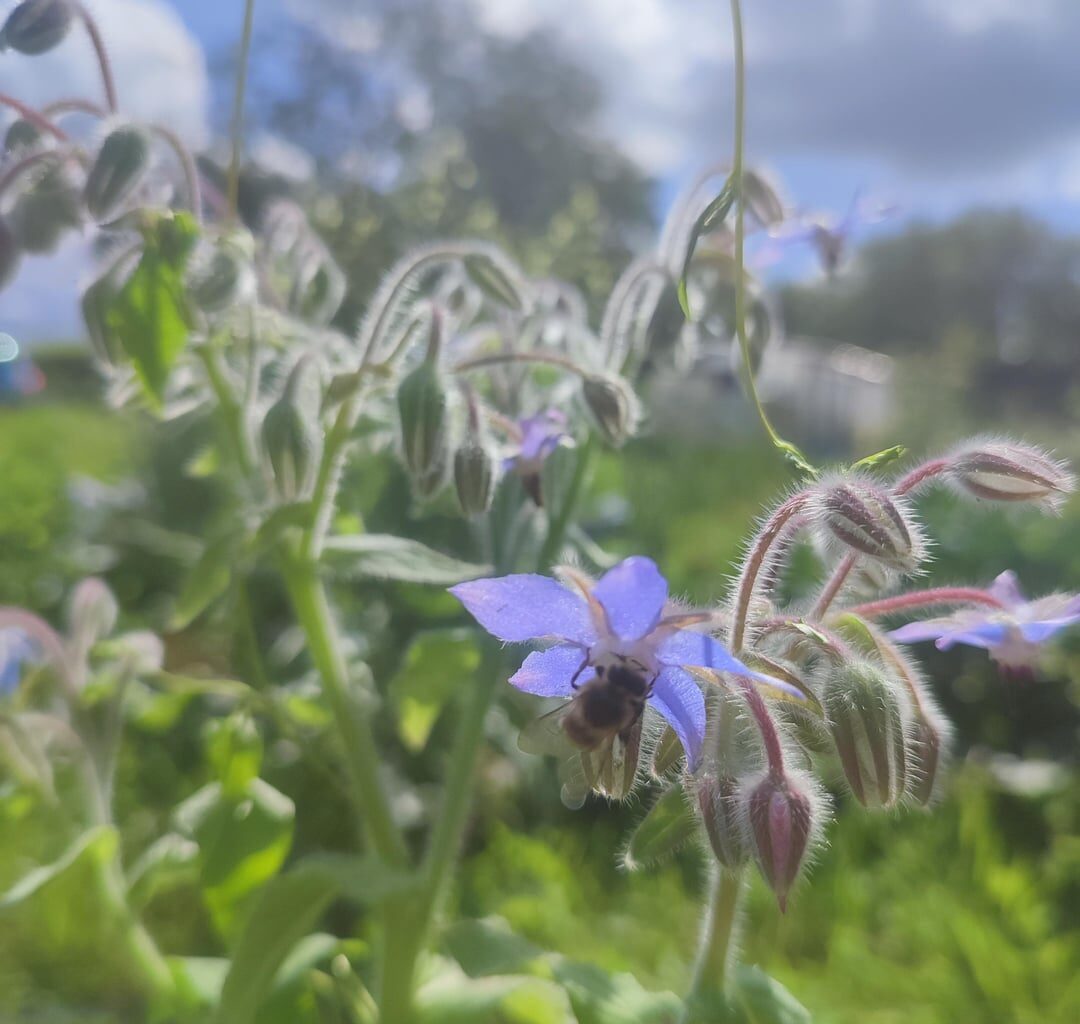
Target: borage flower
x,y
537,437
616,630
1012,633
16,651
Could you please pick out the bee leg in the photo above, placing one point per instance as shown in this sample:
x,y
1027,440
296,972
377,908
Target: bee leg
x,y
581,668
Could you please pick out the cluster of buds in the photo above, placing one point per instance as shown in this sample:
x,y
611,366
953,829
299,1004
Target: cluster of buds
x,y
818,685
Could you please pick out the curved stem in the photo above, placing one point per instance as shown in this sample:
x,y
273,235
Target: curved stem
x,y
773,529
237,130
919,475
20,167
833,587
35,117
549,358
74,105
925,599
102,56
187,164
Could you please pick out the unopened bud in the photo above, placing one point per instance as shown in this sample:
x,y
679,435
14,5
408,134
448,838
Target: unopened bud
x,y
36,26
424,410
724,814
1007,471
866,713
474,476
221,276
9,254
927,748
780,811
290,438
762,200
870,521
612,405
46,210
117,172
92,612
496,279
22,137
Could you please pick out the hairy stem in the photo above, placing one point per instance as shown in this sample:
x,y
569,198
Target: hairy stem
x,y
925,599
36,118
232,412
550,358
312,608
102,55
833,586
919,475
558,525
187,165
237,128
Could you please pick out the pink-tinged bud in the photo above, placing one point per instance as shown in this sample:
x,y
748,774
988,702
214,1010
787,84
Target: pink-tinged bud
x,y
927,751
781,816
866,711
724,815
868,520
1008,471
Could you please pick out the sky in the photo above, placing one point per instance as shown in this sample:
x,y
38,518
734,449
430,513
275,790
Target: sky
x,y
934,107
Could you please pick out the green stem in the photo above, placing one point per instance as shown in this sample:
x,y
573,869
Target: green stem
x,y
715,953
558,526
322,493
790,450
312,609
232,412
237,132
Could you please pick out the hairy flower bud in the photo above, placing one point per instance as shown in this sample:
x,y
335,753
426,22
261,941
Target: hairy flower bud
x,y
118,170
866,712
1008,471
613,407
781,815
92,612
36,26
762,200
724,814
9,254
221,274
927,748
474,475
866,519
46,210
22,137
290,439
424,409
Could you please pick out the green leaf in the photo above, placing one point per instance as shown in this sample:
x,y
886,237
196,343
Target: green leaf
x,y
601,998
206,582
385,557
286,910
710,219
452,997
98,843
764,1000
882,458
488,946
149,315
166,862
438,665
666,828
243,841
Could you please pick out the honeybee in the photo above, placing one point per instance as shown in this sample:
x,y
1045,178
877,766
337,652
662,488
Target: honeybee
x,y
597,731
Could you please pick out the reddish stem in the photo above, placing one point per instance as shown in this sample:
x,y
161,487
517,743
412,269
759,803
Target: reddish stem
x,y
74,105
770,738
35,117
102,56
925,599
833,587
919,475
770,533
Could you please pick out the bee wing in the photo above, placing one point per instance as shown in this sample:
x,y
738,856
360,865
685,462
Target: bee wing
x,y
612,768
575,781
545,735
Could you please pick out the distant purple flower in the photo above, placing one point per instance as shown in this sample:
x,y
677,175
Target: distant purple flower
x,y
1012,633
619,621
16,650
539,436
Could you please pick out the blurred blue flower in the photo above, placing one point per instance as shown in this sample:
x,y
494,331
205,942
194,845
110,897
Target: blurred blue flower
x,y
619,621
538,436
16,650
1012,633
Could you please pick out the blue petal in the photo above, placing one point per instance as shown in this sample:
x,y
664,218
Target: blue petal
x,y
1037,632
527,607
633,595
550,673
679,699
916,632
986,636
684,647
1006,588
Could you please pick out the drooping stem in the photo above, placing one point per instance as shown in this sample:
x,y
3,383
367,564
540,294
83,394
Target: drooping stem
x,y
550,358
833,586
925,599
770,738
774,528
237,129
187,165
312,608
74,104
919,475
102,56
35,117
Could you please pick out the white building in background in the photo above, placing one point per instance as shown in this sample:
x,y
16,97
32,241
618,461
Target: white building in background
x,y
828,396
